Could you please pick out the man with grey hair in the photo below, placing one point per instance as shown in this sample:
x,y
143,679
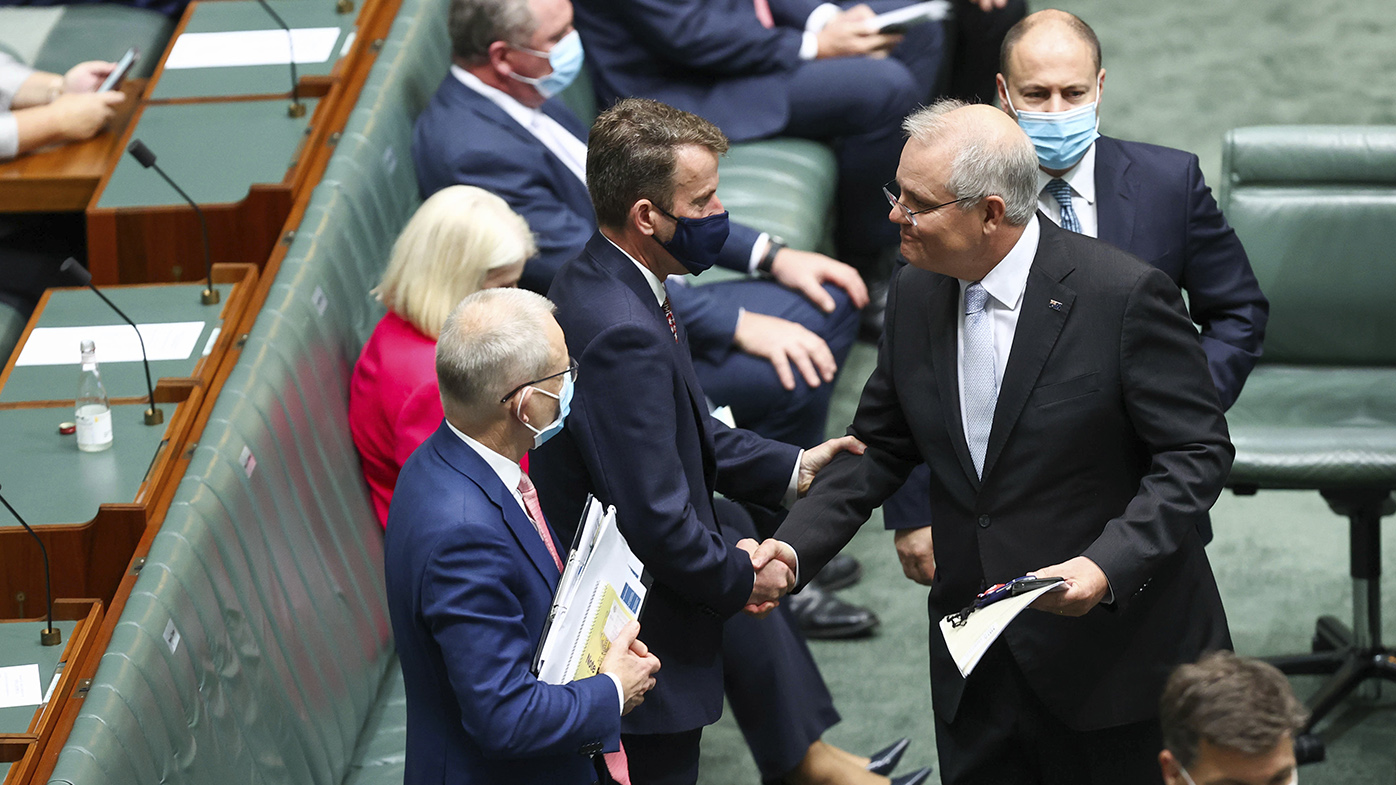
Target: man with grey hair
x,y
1058,392
1229,720
471,565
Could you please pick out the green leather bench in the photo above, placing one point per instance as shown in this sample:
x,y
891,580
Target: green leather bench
x,y
1316,209
56,38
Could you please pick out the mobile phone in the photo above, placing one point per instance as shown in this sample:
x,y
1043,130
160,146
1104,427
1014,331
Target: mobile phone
x,y
118,74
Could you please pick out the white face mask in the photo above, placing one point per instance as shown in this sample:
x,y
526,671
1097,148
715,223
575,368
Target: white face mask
x,y
1293,780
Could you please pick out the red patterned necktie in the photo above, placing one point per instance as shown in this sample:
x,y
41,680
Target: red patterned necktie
x,y
763,14
669,314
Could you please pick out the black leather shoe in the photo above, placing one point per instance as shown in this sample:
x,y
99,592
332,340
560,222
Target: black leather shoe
x,y
841,572
823,616
914,778
885,760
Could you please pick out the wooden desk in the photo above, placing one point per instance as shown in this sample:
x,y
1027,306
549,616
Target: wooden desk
x,y
62,178
26,732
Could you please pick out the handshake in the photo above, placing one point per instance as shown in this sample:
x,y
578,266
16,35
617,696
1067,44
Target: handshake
x,y
775,564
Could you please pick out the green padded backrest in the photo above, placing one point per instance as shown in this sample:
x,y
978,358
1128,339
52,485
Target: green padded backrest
x,y
1315,207
104,31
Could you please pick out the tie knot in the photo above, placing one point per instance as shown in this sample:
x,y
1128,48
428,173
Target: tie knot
x,y
975,298
1060,190
526,485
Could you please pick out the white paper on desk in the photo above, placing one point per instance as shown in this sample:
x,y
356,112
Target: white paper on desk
x,y
251,47
19,686
968,643
116,343
915,14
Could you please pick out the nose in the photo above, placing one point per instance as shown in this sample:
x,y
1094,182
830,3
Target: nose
x,y
1057,103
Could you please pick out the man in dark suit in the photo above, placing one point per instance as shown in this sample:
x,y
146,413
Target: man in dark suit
x,y
471,565
1150,201
1058,392
640,436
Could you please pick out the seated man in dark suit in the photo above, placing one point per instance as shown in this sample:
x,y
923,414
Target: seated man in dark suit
x,y
471,567
1148,200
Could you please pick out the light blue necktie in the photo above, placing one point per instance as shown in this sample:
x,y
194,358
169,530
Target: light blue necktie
x,y
1061,191
981,387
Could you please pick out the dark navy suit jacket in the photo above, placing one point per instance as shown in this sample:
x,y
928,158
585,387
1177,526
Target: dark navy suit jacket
x,y
464,138
639,437
469,588
1152,202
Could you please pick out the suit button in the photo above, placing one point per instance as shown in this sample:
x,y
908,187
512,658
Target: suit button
x,y
983,521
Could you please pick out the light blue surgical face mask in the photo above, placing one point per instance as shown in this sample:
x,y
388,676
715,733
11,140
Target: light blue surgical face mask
x,y
566,60
1061,138
564,406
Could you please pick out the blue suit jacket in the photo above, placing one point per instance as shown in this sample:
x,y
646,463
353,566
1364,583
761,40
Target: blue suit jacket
x,y
1152,202
464,138
469,588
639,437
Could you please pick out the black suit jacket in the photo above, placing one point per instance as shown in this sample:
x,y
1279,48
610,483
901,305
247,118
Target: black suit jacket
x,y
639,437
1107,442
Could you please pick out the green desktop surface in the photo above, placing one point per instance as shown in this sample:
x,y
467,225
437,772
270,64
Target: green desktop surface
x,y
19,645
49,480
215,151
144,304
235,15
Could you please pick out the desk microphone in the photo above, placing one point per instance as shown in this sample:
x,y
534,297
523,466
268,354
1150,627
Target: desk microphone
x,y
296,109
50,636
141,153
77,272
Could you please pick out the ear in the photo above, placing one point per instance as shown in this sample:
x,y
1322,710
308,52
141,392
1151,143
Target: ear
x,y
496,53
994,210
1100,85
642,217
1002,82
522,398
1169,765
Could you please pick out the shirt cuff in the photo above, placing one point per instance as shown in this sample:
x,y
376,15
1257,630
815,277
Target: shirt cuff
x,y
620,692
792,492
797,560
758,250
9,136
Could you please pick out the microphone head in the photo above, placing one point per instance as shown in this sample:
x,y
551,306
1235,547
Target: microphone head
x,y
76,271
141,153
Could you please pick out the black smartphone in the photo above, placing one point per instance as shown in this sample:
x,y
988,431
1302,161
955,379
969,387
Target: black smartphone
x,y
118,74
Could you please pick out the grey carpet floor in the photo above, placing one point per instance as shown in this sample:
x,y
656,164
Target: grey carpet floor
x,y
1180,74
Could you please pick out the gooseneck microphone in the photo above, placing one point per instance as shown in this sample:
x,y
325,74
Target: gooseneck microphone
x,y
77,272
49,636
141,153
296,109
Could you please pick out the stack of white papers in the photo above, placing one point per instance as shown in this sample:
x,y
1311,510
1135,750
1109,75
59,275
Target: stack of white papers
x,y
116,343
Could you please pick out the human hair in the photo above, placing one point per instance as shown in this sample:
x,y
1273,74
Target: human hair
x,y
455,238
1233,702
494,340
475,24
986,162
1072,22
631,155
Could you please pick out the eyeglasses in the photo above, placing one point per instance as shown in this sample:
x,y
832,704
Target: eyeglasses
x,y
571,369
907,212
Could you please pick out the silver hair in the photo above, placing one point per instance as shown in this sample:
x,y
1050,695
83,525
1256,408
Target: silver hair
x,y
493,341
984,164
475,24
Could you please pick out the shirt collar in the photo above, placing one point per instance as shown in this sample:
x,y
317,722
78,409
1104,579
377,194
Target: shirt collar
x,y
508,471
1006,282
1080,177
523,115
656,285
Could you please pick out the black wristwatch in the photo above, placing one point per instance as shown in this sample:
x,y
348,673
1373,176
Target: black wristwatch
x,y
766,267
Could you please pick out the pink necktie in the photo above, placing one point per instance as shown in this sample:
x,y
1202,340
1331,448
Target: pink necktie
x,y
763,14
615,761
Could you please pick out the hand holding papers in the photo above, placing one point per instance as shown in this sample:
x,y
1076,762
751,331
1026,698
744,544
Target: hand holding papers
x,y
970,632
899,20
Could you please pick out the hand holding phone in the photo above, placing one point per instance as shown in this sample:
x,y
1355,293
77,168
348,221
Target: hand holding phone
x,y
118,74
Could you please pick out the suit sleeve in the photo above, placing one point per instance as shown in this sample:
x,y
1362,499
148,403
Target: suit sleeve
x,y
752,468
624,420
1173,408
845,493
690,34
477,620
1223,293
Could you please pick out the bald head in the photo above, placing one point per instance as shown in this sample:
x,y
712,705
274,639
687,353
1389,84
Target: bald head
x,y
494,340
1049,33
988,153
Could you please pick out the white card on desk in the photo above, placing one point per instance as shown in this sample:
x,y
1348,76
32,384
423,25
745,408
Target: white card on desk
x,y
116,343
19,686
252,47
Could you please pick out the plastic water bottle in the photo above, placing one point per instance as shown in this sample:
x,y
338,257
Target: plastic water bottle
x,y
94,410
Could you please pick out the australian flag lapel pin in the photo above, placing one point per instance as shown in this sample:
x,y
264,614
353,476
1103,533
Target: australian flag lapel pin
x,y
1055,305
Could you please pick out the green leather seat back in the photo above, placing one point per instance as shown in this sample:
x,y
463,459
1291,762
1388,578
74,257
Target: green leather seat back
x,y
104,31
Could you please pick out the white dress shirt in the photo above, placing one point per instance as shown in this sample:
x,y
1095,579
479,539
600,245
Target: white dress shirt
x,y
1081,178
510,474
13,73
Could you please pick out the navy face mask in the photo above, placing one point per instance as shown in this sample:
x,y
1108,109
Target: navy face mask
x,y
697,242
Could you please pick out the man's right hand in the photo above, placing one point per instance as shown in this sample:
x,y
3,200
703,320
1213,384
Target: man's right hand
x,y
783,342
917,553
631,660
774,578
79,116
850,35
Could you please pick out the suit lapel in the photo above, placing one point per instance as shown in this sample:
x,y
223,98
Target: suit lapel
x,y
944,324
1116,190
1039,325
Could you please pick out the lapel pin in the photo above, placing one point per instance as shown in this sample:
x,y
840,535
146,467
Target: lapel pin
x,y
1055,305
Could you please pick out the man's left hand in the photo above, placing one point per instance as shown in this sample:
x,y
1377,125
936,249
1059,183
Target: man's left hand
x,y
807,273
1086,586
816,458
87,77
